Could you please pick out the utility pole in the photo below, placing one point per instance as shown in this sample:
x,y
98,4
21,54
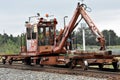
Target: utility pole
x,y
83,25
76,41
64,20
109,38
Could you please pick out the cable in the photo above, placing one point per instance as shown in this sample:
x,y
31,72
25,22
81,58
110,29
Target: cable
x,y
88,9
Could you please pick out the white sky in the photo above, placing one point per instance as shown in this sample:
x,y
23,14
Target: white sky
x,y
14,13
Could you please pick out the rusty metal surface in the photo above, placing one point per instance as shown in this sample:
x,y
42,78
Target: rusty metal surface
x,y
53,60
45,49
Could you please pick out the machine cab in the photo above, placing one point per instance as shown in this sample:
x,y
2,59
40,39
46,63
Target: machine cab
x,y
46,35
31,37
40,36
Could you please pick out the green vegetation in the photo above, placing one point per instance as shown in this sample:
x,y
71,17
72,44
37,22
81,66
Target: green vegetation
x,y
9,44
110,36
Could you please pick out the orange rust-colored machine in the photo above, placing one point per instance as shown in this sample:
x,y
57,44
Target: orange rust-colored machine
x,y
43,46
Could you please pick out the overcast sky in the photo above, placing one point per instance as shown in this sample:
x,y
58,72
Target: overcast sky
x,y
14,13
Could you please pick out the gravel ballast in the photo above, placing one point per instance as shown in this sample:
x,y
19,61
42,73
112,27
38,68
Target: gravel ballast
x,y
14,74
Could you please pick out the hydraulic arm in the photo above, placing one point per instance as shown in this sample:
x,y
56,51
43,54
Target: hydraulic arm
x,y
80,10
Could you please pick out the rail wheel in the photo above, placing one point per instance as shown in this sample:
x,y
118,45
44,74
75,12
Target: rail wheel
x,y
68,64
41,65
72,64
27,61
10,61
101,66
37,61
40,62
3,61
115,65
85,65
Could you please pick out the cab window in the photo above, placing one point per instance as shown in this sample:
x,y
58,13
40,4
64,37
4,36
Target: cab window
x,y
28,33
31,34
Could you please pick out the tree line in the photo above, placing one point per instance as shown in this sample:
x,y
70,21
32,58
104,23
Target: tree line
x,y
110,36
10,44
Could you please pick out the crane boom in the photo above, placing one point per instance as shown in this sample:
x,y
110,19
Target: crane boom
x,y
80,10
93,27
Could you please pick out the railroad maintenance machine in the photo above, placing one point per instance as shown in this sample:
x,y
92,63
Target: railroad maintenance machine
x,y
43,46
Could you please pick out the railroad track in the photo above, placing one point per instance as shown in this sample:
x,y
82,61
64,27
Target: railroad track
x,y
109,74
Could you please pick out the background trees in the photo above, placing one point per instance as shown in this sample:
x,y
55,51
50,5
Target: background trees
x,y
10,44
110,37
